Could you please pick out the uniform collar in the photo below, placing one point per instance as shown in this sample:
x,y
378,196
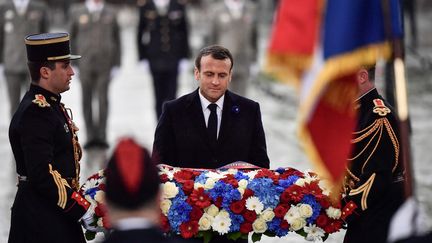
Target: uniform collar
x,y
49,96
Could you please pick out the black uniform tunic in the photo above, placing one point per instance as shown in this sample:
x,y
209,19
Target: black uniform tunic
x,y
374,181
47,206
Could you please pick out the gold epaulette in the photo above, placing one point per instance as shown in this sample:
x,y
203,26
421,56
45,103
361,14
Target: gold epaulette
x,y
380,108
41,101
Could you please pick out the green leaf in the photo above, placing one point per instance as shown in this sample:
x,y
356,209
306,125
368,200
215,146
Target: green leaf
x,y
269,234
256,237
90,235
207,235
245,236
234,235
326,235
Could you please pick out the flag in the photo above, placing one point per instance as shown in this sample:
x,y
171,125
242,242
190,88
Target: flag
x,y
351,34
293,38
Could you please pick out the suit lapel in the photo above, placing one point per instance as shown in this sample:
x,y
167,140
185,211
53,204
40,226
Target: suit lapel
x,y
196,116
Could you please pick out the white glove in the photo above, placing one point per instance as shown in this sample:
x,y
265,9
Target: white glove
x,y
183,65
88,218
144,66
114,72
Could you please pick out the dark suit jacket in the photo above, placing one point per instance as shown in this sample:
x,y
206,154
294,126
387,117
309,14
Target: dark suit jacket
x,y
181,135
139,236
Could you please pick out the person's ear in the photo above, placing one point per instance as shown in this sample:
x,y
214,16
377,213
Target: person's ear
x,y
362,76
44,72
196,73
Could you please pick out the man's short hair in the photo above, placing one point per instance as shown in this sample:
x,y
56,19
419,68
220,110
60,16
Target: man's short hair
x,y
217,52
34,69
371,71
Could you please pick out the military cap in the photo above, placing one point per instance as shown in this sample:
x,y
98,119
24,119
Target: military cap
x,y
132,178
48,47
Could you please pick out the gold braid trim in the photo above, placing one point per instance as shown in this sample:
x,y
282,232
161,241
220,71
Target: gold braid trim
x,y
61,187
394,141
364,189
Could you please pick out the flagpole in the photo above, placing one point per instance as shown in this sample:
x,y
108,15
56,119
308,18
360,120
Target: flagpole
x,y
401,100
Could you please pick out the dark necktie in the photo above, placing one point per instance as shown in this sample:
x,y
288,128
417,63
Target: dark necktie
x,y
212,123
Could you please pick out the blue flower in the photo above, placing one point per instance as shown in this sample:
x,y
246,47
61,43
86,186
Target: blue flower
x,y
274,226
288,181
240,175
236,221
269,197
235,109
316,207
179,211
226,191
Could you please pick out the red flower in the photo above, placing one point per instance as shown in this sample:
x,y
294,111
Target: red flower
x,y
249,215
280,211
284,224
188,186
289,172
102,187
294,192
322,220
245,228
183,175
200,198
333,226
196,213
218,202
237,206
248,193
312,188
164,223
100,210
164,178
189,229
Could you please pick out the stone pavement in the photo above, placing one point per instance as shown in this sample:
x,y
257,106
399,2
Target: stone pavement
x,y
132,114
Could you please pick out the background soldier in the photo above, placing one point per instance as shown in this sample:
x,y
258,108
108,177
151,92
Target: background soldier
x,y
163,42
374,181
234,26
95,32
18,18
45,145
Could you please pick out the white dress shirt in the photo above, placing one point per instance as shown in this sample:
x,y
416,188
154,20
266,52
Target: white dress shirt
x,y
206,111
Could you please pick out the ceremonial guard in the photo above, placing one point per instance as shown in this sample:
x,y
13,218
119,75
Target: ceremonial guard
x,y
43,137
234,25
94,31
163,42
18,18
374,180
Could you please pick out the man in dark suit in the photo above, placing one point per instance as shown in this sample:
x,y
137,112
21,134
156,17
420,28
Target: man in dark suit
x,y
191,133
162,44
44,141
374,180
132,196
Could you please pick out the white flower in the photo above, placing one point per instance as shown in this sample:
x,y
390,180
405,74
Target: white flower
x,y
292,214
334,213
231,171
214,175
99,222
252,174
267,215
314,233
198,185
209,184
297,224
100,196
205,221
92,183
242,183
325,187
305,210
221,223
101,173
212,210
223,213
254,204
300,182
169,190
259,225
241,190
165,205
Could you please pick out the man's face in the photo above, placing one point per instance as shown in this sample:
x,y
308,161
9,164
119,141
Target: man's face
x,y
59,79
213,77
